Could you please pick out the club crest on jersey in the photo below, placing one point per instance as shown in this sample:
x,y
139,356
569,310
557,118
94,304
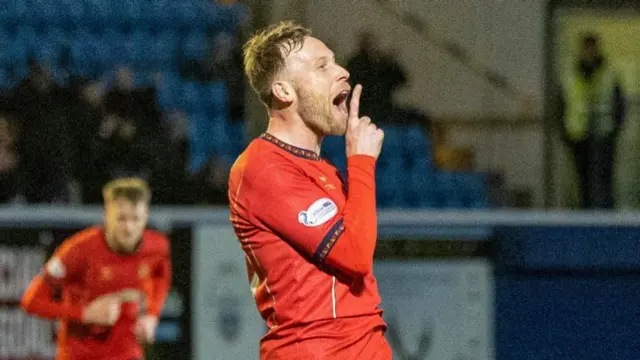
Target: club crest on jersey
x,y
106,273
321,211
143,271
55,268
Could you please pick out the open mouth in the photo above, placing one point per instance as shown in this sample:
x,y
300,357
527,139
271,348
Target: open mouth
x,y
340,101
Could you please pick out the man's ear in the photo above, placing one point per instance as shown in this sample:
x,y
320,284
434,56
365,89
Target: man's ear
x,y
283,91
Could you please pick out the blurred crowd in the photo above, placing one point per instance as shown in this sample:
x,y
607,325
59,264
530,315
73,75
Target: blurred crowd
x,y
60,144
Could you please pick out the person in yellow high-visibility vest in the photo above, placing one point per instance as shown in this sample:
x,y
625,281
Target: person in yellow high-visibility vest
x,y
592,111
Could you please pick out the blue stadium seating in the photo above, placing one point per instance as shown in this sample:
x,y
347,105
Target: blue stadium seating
x,y
390,188
194,45
185,14
137,47
169,90
14,13
164,49
220,137
160,13
475,189
190,96
392,147
215,98
200,146
237,137
5,79
74,11
43,12
153,36
333,147
99,13
130,13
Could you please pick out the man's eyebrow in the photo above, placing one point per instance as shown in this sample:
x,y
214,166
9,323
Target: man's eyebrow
x,y
325,58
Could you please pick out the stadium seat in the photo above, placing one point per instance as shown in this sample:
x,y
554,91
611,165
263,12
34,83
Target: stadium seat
x,y
475,189
114,40
390,187
164,49
74,11
85,49
213,15
131,12
416,145
143,78
220,131
5,43
18,13
5,79
189,96
47,51
26,35
15,51
142,41
392,148
230,16
43,13
215,98
169,87
56,35
160,14
421,189
450,188
99,13
194,46
333,147
186,14
200,146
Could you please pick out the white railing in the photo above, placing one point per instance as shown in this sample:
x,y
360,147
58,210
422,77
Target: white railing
x,y
453,224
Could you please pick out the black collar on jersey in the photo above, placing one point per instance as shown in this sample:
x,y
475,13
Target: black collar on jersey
x,y
294,150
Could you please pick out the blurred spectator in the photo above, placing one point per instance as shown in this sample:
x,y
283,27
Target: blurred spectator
x,y
592,109
379,73
135,105
211,182
46,140
87,110
10,176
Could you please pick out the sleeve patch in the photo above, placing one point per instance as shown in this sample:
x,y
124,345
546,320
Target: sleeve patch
x,y
318,213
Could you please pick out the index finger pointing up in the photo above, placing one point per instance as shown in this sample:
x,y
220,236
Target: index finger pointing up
x,y
354,107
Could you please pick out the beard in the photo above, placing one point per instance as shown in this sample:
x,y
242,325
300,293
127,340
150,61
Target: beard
x,y
317,113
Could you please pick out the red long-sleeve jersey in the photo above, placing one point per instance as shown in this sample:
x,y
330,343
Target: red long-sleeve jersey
x,y
309,247
84,268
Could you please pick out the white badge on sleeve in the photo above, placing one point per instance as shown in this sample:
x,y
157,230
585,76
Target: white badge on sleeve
x,y
318,213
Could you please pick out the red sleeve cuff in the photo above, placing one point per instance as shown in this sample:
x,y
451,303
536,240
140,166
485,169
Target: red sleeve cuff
x,y
364,162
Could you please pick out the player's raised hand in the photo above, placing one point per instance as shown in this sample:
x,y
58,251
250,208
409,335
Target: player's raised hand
x,y
363,137
104,310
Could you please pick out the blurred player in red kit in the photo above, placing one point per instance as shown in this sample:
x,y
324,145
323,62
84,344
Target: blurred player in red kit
x,y
309,241
106,285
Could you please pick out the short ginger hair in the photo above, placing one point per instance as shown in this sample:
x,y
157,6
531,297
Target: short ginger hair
x,y
265,52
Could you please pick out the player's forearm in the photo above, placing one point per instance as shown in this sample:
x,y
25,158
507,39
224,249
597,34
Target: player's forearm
x,y
357,244
161,286
38,300
157,300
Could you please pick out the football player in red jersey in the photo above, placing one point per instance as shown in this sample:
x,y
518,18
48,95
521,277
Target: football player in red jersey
x,y
106,284
309,238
